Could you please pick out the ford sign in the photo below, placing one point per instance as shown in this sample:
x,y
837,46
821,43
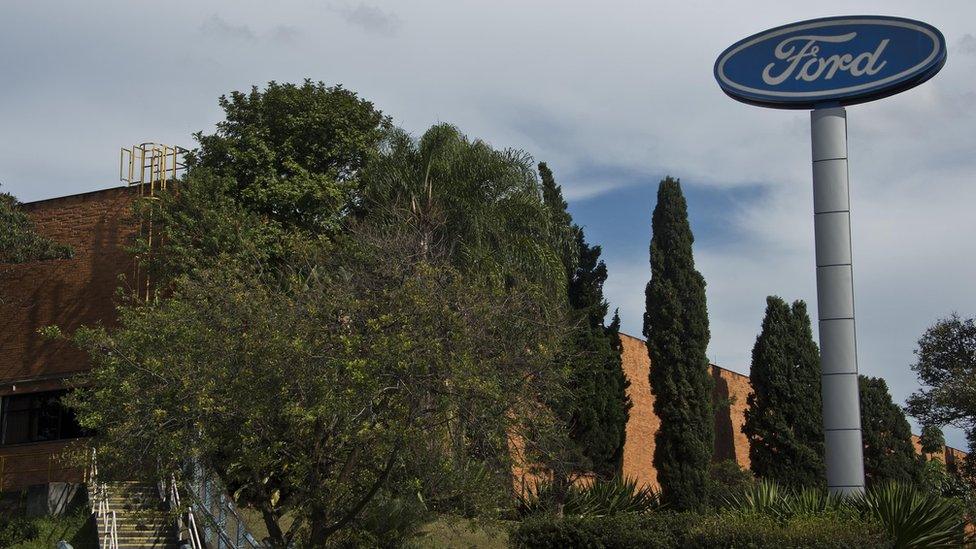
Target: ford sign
x,y
833,61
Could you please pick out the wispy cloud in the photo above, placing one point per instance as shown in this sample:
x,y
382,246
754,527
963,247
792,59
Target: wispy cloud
x,y
370,18
284,34
967,44
216,25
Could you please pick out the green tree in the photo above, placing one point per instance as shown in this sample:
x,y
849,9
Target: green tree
x,y
315,375
784,418
596,405
294,152
946,369
19,241
932,439
304,396
676,328
887,436
479,205
282,170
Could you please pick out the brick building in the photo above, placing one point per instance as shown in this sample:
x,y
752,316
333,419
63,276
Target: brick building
x,y
34,371
69,293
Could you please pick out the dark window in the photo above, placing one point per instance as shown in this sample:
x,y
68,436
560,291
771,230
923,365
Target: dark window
x,y
36,417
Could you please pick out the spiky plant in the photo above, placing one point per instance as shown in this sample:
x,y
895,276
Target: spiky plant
x,y
912,517
598,498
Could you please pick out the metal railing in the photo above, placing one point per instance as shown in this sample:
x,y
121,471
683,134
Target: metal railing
x,y
224,527
209,519
187,528
102,509
149,163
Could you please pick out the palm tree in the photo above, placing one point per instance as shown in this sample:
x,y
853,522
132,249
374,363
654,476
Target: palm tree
x,y
481,208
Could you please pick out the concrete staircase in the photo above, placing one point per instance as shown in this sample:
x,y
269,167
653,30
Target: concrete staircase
x,y
142,520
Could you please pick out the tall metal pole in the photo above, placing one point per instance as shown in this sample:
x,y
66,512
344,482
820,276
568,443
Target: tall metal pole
x,y
835,300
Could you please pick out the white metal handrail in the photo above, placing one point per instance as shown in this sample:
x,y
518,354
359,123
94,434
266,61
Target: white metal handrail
x,y
191,522
101,508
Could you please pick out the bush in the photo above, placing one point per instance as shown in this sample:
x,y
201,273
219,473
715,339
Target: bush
x,y
769,499
21,532
16,530
620,531
389,521
689,531
727,481
824,531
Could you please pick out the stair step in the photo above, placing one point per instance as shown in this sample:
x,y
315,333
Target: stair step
x,y
142,519
143,528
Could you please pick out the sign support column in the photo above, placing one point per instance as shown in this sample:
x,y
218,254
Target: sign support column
x,y
835,301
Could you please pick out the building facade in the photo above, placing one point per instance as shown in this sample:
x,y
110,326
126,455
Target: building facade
x,y
35,371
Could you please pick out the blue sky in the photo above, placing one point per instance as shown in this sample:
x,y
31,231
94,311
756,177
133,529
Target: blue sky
x,y
613,95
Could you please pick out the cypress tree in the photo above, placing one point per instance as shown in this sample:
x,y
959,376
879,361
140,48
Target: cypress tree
x,y
596,406
783,419
676,328
888,450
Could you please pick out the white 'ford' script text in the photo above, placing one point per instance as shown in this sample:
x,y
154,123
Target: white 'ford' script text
x,y
815,66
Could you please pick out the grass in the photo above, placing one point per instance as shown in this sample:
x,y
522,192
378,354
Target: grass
x,y
448,532
442,533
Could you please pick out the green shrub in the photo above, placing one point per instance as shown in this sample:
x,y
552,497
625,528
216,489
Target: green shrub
x,y
20,532
16,530
913,517
620,531
727,481
729,529
389,521
601,497
738,529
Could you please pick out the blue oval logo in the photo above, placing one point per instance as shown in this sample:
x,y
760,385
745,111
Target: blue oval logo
x,y
833,61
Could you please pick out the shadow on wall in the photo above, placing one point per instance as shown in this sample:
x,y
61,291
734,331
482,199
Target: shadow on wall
x,y
67,293
724,430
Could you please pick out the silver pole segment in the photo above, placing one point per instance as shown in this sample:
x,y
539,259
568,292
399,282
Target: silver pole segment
x,y
835,300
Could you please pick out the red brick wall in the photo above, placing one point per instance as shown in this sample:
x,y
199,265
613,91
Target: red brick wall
x,y
730,393
67,293
24,465
731,390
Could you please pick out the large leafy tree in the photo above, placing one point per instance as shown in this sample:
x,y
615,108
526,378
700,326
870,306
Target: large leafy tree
x,y
946,368
293,152
676,328
595,405
283,169
313,368
783,420
305,395
888,450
